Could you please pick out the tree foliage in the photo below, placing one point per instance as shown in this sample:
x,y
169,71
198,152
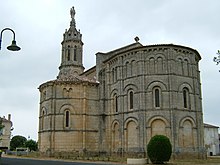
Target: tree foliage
x,y
1,125
31,144
17,141
159,149
1,128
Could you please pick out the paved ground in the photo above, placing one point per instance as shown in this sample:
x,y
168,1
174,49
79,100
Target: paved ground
x,y
213,160
16,161
13,160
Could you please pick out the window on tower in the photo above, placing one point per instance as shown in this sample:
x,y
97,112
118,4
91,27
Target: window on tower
x,y
42,119
115,102
67,118
68,53
157,98
185,98
131,99
75,48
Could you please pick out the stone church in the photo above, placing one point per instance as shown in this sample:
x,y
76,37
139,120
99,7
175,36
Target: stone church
x,y
131,94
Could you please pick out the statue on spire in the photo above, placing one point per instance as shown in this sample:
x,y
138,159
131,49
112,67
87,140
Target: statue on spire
x,y
72,14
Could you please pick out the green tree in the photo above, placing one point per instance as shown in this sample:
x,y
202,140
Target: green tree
x,y
17,141
1,125
1,128
159,149
31,144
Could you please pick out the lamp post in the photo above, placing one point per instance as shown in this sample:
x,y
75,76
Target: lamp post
x,y
13,46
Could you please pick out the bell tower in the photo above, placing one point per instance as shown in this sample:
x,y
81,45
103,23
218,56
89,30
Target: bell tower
x,y
72,50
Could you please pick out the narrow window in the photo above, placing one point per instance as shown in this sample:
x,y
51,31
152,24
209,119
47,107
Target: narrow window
x,y
131,99
132,68
116,74
44,95
115,103
67,118
185,98
42,120
127,69
68,53
113,75
157,98
75,53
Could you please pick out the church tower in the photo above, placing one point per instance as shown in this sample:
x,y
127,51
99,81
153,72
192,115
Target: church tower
x,y
72,50
69,104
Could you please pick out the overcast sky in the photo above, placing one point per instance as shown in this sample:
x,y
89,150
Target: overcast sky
x,y
105,25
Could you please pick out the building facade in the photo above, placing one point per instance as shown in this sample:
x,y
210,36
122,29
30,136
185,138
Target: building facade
x,y
130,95
211,139
5,133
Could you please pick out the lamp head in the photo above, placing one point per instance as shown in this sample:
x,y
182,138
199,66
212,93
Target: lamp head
x,y
13,46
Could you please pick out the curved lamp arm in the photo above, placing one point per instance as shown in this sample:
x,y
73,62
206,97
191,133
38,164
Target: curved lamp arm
x,y
13,46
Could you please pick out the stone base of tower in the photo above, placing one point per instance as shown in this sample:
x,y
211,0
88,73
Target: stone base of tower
x,y
189,155
102,155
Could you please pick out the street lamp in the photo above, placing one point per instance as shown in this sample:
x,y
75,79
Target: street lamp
x,y
13,46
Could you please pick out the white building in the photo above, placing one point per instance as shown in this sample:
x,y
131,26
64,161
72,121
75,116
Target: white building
x,y
5,133
211,139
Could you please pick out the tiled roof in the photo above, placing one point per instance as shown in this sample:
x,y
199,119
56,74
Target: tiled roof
x,y
77,79
210,126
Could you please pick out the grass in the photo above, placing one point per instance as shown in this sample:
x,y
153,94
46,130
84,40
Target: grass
x,y
209,161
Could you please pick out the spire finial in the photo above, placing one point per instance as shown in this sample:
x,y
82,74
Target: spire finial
x,y
72,14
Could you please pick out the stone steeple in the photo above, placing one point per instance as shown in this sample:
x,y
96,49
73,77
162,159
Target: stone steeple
x,y
72,51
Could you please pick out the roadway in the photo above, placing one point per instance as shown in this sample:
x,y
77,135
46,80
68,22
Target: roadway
x,y
27,161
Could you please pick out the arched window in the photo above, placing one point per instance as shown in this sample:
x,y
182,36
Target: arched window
x,y
133,68
68,53
131,100
127,69
116,74
113,75
157,98
151,65
67,118
185,98
44,95
131,135
185,67
74,57
115,137
42,119
159,65
179,66
115,104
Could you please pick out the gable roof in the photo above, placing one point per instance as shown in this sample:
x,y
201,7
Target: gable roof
x,y
209,126
125,48
109,55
